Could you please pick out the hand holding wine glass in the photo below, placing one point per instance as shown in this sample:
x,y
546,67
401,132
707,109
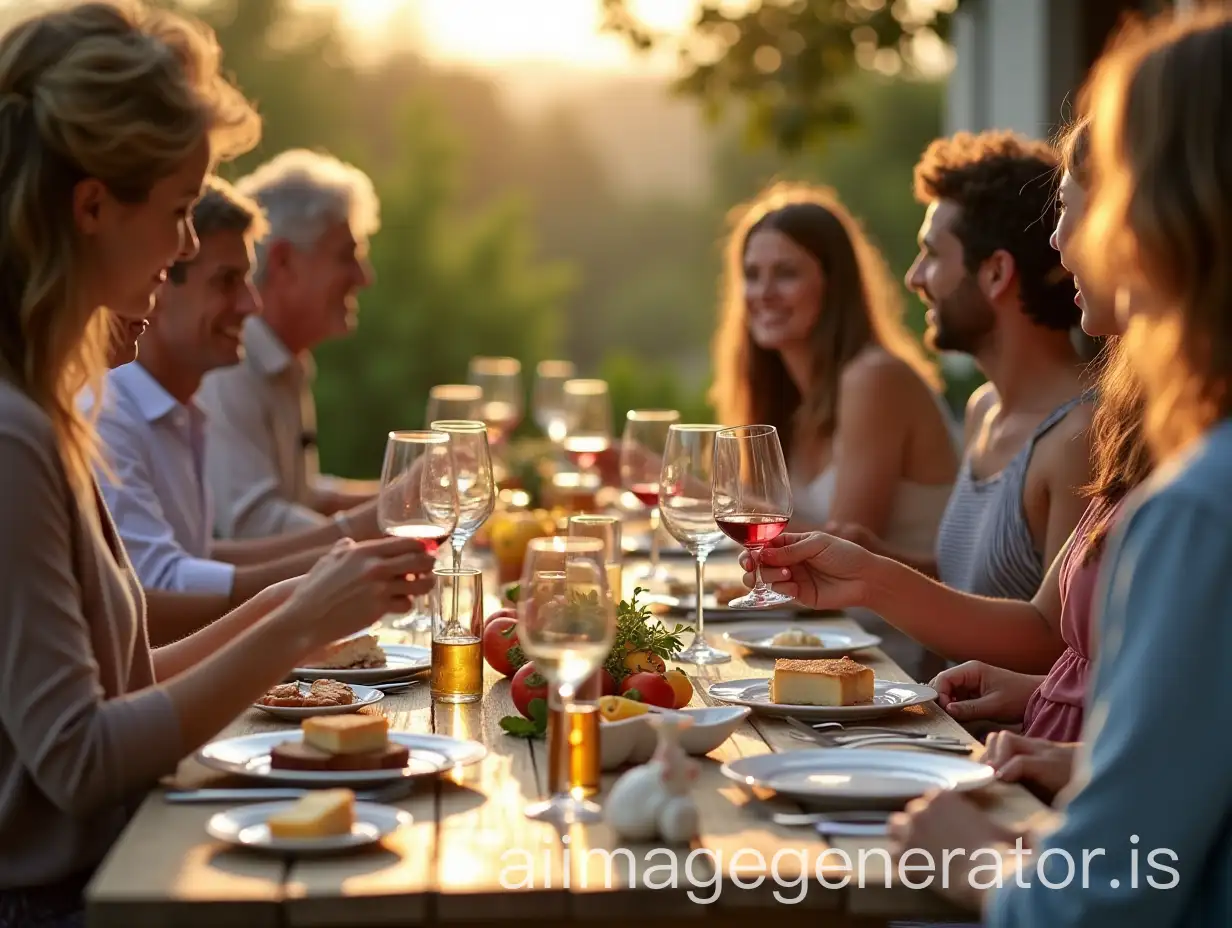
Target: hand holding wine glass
x,y
417,499
752,499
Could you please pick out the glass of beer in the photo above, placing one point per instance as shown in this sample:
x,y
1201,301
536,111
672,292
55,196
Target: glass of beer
x,y
457,622
607,530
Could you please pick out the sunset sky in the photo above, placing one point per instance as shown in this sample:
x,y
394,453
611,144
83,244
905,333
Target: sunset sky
x,y
502,32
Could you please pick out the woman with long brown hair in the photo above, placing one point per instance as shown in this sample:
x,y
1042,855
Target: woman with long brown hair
x,y
111,114
812,342
1148,810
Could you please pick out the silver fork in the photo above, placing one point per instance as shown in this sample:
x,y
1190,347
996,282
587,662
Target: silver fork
x,y
912,739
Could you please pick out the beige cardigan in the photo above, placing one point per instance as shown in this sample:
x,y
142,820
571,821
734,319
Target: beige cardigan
x,y
83,729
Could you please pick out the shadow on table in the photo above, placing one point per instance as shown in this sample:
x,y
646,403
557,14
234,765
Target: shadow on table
x,y
460,798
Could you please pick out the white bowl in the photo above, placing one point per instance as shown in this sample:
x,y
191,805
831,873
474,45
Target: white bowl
x,y
633,740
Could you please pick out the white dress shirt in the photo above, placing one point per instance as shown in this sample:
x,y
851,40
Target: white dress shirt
x,y
154,447
261,460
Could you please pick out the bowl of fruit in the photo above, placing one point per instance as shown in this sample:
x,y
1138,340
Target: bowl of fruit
x,y
627,737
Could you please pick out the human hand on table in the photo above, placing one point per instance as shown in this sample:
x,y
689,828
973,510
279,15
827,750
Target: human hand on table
x,y
975,691
1048,765
817,570
943,820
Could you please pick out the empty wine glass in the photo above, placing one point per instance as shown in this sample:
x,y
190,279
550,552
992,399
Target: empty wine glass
x,y
417,500
500,379
472,474
588,421
549,398
641,462
566,625
454,401
752,499
686,500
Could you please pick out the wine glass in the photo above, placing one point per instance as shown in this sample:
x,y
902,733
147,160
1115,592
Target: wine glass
x,y
454,401
549,398
588,421
686,501
566,625
752,499
417,500
500,379
472,474
641,461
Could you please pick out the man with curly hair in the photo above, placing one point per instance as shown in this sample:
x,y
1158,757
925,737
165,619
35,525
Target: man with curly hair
x,y
996,290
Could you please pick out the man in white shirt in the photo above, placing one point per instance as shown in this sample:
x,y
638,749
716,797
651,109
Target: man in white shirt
x,y
261,464
153,434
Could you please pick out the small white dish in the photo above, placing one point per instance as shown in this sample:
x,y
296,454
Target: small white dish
x,y
633,740
246,826
857,774
249,756
758,638
888,698
364,696
401,661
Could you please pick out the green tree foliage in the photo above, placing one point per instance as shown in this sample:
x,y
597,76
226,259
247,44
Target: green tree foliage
x,y
789,61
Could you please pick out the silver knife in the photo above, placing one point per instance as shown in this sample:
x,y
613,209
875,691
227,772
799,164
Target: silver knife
x,y
262,794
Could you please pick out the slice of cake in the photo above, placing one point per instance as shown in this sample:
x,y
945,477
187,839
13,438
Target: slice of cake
x,y
349,653
840,682
346,734
316,815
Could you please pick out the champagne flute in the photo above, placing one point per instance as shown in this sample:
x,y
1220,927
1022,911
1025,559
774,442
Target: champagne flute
x,y
454,401
549,398
417,500
472,474
588,421
752,499
641,461
686,499
500,379
566,625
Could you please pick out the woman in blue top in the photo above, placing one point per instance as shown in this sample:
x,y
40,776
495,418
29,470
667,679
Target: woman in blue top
x,y
1147,819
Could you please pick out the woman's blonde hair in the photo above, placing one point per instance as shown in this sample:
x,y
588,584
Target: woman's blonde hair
x,y
1159,222
111,90
862,306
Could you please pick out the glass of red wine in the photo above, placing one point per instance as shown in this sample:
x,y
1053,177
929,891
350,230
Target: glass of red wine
x,y
752,499
641,462
418,500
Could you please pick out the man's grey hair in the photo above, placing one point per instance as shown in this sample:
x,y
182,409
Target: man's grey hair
x,y
303,193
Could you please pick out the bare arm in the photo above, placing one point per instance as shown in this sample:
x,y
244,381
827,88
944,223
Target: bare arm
x,y
251,580
1068,471
870,445
177,656
172,616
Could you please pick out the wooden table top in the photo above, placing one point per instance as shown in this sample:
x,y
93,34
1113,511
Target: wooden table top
x,y
464,856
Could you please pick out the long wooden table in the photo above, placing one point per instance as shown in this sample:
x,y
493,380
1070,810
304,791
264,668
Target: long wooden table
x,y
471,856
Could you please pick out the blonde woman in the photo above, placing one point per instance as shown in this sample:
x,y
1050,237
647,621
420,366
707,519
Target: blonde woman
x,y
812,342
111,114
1145,825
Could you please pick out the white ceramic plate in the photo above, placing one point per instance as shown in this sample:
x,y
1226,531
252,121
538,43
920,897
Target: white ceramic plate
x,y
859,774
364,696
401,661
757,638
249,756
245,826
888,698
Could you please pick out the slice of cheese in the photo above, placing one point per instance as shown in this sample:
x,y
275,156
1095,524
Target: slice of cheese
x,y
316,815
346,734
840,682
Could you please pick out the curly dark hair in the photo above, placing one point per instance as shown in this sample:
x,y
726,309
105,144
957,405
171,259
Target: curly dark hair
x,y
1003,185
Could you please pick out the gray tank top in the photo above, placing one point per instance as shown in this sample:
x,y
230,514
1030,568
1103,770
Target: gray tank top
x,y
984,544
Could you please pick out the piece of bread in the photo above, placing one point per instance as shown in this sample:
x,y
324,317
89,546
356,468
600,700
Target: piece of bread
x,y
316,815
295,755
349,654
840,682
346,734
